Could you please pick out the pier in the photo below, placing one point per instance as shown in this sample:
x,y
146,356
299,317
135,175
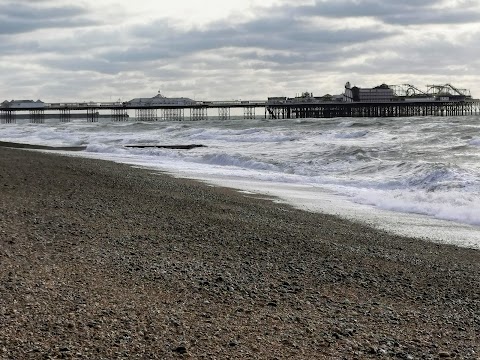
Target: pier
x,y
382,101
201,110
368,109
251,110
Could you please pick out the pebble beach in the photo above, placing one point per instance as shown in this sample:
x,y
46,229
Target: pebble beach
x,y
100,260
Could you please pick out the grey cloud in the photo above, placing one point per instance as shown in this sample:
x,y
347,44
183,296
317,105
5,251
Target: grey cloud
x,y
434,17
283,40
8,47
394,12
9,27
138,54
425,56
355,8
25,17
19,10
264,33
83,64
273,33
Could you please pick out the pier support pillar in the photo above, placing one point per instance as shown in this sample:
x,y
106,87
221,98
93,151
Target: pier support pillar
x,y
249,112
65,115
173,114
92,115
119,115
198,114
37,116
146,114
224,113
270,111
8,116
276,112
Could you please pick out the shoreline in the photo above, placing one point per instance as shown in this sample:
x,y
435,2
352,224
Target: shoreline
x,y
104,260
312,199
317,200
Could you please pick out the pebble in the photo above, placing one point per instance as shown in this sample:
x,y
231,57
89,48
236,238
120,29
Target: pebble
x,y
180,349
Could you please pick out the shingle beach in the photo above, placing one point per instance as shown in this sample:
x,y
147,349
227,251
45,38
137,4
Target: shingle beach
x,y
105,261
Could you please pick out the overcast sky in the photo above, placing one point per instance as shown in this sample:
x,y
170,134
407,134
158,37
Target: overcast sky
x,y
232,49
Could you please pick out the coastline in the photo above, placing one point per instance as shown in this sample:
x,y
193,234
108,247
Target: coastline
x,y
313,199
102,260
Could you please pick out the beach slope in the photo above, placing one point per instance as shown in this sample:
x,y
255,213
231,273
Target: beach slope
x,y
101,260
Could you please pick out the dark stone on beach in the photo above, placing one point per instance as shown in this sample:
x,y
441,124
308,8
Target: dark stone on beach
x,y
180,349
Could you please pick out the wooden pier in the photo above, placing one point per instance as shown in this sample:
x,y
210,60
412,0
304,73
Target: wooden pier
x,y
273,109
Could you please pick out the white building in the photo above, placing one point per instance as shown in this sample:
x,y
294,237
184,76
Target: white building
x,y
160,100
23,104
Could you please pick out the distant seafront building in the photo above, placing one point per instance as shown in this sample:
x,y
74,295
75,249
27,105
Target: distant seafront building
x,y
160,100
381,93
23,104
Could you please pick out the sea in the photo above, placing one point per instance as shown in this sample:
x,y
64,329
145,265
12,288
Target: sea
x,y
415,176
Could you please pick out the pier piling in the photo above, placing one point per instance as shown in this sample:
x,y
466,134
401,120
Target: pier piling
x,y
146,114
224,113
174,114
92,115
198,113
249,112
65,115
8,116
119,114
37,116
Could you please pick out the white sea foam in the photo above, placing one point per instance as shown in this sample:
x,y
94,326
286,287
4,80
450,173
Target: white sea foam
x,y
453,205
236,161
247,135
352,135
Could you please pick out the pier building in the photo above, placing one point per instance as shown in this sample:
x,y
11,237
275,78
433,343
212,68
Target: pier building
x,y
146,109
381,93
